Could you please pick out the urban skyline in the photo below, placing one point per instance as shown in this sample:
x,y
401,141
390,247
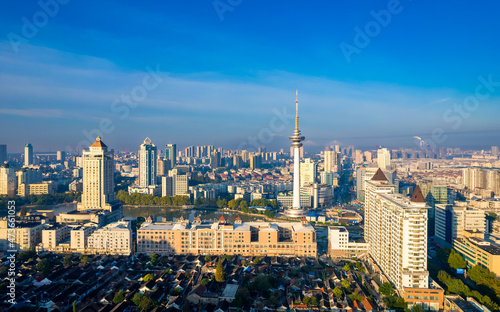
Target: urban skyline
x,y
214,71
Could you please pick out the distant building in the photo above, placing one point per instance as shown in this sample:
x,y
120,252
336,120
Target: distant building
x,y
147,163
286,201
452,220
3,153
383,158
46,187
61,156
308,172
7,180
171,154
256,161
28,155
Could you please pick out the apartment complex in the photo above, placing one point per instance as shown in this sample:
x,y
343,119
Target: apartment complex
x,y
47,187
476,250
452,220
343,245
7,180
27,235
481,178
113,239
396,231
223,238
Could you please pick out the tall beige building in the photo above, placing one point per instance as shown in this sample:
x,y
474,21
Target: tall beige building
x,y
7,180
308,172
329,160
453,220
396,231
98,177
383,158
222,238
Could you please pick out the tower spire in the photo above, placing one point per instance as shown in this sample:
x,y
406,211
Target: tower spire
x,y
296,110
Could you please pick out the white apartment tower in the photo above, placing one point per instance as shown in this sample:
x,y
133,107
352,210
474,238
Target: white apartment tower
x,y
98,177
147,163
383,158
28,155
396,230
7,180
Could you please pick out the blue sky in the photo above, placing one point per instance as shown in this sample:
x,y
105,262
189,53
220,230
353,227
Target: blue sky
x,y
223,80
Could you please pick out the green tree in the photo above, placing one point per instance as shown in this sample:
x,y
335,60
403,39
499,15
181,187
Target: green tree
x,y
337,292
346,267
456,261
208,258
146,304
256,260
204,282
219,272
242,298
417,308
221,203
74,306
67,261
137,298
386,289
346,284
119,297
26,255
154,258
306,300
314,301
44,266
243,205
84,259
232,204
148,277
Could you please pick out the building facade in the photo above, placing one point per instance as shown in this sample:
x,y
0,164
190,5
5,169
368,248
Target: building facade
x,y
98,177
396,231
222,238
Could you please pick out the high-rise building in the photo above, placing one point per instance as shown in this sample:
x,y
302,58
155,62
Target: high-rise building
x,y
7,180
215,160
245,156
296,211
329,160
61,156
180,183
396,231
383,158
3,153
452,220
163,166
237,161
171,154
98,177
28,155
308,172
494,151
147,163
255,161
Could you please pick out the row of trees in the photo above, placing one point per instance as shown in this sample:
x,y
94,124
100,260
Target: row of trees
x,y
456,286
141,199
43,199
